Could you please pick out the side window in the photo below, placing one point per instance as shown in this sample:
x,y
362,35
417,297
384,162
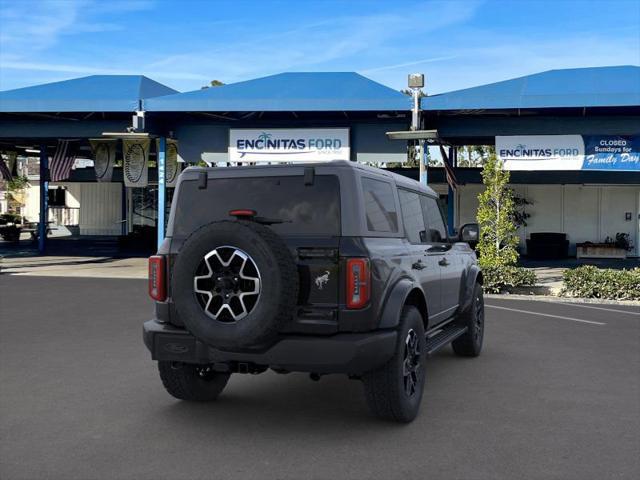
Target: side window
x,y
380,206
436,231
412,216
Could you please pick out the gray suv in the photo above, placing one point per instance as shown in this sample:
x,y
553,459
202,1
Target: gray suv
x,y
320,268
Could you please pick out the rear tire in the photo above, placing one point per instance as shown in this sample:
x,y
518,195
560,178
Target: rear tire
x,y
394,392
191,382
470,344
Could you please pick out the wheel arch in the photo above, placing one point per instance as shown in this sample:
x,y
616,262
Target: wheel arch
x,y
416,299
473,275
405,292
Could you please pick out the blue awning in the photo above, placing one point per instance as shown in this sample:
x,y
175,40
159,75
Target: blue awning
x,y
288,92
96,93
577,87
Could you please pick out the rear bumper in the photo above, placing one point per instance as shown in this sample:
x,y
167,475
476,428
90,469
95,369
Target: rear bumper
x,y
350,353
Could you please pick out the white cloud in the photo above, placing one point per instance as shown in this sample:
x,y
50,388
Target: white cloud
x,y
314,46
88,70
408,64
499,58
31,27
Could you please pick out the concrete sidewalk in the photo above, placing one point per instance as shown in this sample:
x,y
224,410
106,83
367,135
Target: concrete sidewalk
x,y
66,266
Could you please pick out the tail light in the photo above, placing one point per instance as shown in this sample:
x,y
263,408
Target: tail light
x,y
157,281
358,282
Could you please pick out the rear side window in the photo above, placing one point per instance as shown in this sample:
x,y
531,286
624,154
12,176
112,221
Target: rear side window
x,y
380,206
303,209
412,216
436,231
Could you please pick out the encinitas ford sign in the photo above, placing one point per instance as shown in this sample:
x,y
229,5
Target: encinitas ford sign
x,y
569,152
289,145
541,152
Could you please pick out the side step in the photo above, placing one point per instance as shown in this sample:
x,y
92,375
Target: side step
x,y
444,337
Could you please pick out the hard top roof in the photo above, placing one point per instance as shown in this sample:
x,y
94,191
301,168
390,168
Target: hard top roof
x,y
298,168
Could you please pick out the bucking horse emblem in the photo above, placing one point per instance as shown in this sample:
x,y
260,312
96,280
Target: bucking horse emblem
x,y
321,280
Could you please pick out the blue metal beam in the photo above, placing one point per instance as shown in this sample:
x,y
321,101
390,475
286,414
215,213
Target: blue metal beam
x,y
44,199
162,188
424,156
453,157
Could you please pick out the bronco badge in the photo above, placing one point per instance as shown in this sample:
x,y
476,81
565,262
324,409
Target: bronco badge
x,y
321,280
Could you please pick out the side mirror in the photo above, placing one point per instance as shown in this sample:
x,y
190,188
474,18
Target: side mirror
x,y
470,233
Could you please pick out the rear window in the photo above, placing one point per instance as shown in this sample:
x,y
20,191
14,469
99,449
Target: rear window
x,y
304,209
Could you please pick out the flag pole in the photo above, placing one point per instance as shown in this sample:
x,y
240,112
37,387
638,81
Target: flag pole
x,y
44,199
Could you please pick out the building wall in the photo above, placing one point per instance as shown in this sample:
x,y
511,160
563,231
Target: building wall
x,y
584,212
32,202
100,208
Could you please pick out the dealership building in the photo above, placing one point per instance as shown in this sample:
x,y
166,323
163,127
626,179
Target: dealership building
x,y
571,139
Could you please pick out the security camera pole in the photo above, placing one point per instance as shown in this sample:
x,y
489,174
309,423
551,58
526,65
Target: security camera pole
x,y
416,83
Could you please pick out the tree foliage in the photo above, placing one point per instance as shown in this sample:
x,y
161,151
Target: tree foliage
x,y
213,83
496,211
474,155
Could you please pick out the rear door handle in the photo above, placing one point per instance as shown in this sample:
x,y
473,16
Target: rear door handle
x,y
418,265
444,262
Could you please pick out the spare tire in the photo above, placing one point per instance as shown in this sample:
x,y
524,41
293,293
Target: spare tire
x,y
234,284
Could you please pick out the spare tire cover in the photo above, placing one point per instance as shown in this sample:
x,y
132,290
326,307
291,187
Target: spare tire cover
x,y
234,284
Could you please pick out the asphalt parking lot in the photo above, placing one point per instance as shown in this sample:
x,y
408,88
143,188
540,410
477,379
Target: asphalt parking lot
x,y
555,395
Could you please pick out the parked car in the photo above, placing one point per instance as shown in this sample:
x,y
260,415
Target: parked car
x,y
325,268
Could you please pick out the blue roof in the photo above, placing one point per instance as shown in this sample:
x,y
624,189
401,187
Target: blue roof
x,y
96,93
577,87
307,91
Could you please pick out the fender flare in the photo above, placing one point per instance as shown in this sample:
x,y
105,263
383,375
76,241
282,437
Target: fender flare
x,y
472,275
396,299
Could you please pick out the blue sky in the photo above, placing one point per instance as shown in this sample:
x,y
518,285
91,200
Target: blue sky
x,y
184,44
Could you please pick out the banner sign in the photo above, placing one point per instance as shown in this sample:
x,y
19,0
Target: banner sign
x,y
569,152
541,152
289,145
610,152
136,162
172,166
104,157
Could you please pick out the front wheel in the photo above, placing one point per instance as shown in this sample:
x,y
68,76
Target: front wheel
x,y
470,344
187,381
394,391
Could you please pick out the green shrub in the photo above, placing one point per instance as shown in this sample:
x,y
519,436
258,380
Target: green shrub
x,y
502,277
592,282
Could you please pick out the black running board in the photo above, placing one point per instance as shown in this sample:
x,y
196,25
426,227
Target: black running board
x,y
447,335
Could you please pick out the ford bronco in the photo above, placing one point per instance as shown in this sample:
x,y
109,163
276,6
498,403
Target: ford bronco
x,y
320,268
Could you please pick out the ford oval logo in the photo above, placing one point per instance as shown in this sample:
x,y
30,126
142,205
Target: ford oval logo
x,y
176,348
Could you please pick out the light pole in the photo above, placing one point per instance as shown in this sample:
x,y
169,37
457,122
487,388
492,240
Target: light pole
x,y
416,83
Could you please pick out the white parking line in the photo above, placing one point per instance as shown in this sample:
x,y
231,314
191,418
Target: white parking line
x,y
545,315
576,304
597,308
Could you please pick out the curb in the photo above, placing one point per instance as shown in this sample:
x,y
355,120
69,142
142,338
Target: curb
x,y
556,299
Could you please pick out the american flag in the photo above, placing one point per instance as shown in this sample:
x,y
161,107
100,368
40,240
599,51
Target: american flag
x,y
4,170
62,161
448,170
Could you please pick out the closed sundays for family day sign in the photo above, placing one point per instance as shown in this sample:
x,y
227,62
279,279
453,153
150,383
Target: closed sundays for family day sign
x,y
569,152
289,145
